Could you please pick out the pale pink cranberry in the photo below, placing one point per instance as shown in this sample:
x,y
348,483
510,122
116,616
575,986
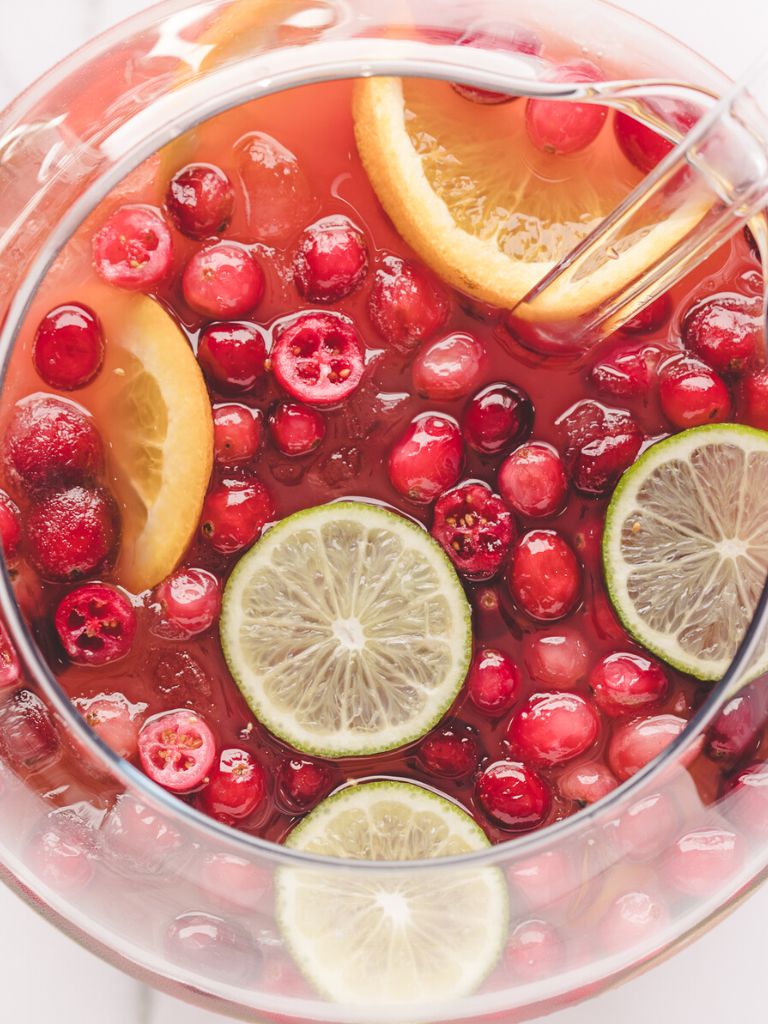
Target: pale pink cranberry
x,y
451,751
296,429
544,576
200,200
232,356
223,282
545,879
625,683
726,332
557,126
636,743
189,602
558,660
494,681
114,720
407,304
753,399
233,882
475,528
532,480
10,525
234,514
704,860
692,394
427,458
61,853
96,624
633,919
520,40
599,444
552,728
586,783
207,944
236,433
319,359
28,737
134,249
177,750
236,788
331,260
735,732
68,350
745,799
534,951
513,796
651,317
448,368
643,146
137,838
72,533
647,827
10,668
498,417
301,783
51,442
626,372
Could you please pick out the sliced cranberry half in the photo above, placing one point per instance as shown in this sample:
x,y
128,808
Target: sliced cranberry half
x,y
544,576
223,281
498,417
177,750
475,528
134,249
96,624
427,459
237,786
407,304
68,349
600,443
513,796
318,359
331,260
200,199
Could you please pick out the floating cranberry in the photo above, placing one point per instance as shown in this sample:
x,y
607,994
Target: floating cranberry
x,y
61,853
222,282
475,528
625,684
600,443
647,827
534,951
562,127
427,458
513,796
651,317
139,840
450,751
234,514
545,879
521,40
544,576
645,147
627,372
735,732
302,783
552,728
72,533
206,945
28,737
200,200
10,669
753,397
703,861
234,882
114,720
134,249
50,441
177,750
237,786
236,433
318,359
494,681
331,260
726,332
637,743
96,624
280,198
10,525
746,799
558,660
586,783
407,304
532,480
633,919
189,602
296,429
68,349
498,417
692,394
448,368
232,355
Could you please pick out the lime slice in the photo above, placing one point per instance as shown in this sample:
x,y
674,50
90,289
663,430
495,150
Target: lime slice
x,y
685,547
347,630
392,937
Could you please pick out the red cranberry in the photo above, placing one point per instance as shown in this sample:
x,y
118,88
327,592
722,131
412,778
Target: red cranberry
x,y
237,786
753,398
513,796
647,827
637,743
551,728
50,441
726,332
301,783
234,882
68,350
190,601
692,394
10,669
746,799
651,317
114,720
735,732
427,458
296,429
72,533
28,738
236,433
451,751
586,783
280,197
448,368
498,417
475,528
96,624
10,525
223,281
60,854
521,40
558,660
534,951
204,944
177,750
138,839
632,920
232,355
544,576
545,879
134,249
407,304
532,480
331,260
643,146
234,514
625,684
627,372
200,199
600,443
318,359
494,681
704,860
558,126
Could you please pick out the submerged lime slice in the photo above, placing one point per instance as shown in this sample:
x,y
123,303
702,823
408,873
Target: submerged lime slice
x,y
347,630
685,547
384,937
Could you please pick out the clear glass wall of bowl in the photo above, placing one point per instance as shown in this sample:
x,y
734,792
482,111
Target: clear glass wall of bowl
x,y
138,876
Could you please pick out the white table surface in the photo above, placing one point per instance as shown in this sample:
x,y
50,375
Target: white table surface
x,y
46,978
